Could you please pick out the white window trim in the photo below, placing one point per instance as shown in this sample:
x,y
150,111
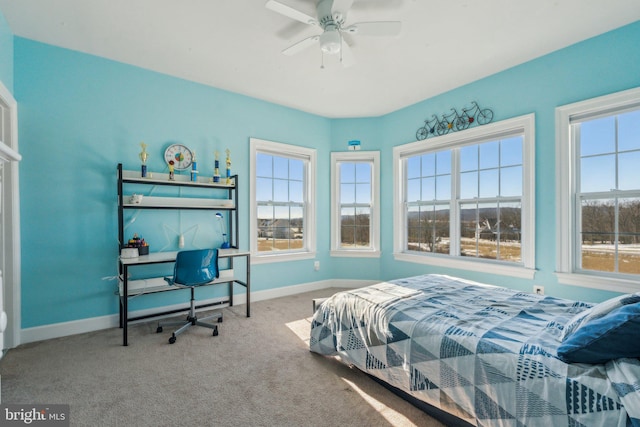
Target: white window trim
x,y
355,156
278,148
565,191
524,124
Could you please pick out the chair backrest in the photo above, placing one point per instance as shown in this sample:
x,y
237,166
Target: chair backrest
x,y
196,267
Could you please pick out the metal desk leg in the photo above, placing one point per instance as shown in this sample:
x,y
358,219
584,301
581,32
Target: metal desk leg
x,y
248,285
125,304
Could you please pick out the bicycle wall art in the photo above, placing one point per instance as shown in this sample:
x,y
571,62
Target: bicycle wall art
x,y
454,121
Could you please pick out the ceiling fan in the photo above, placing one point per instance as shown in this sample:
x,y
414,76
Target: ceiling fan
x,y
331,17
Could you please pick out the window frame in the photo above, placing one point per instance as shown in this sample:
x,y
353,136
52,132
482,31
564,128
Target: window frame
x,y
373,157
566,185
524,125
309,155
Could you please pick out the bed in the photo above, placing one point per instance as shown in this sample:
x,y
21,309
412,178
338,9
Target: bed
x,y
491,356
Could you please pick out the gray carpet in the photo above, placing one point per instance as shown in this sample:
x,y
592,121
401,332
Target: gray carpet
x,y
257,372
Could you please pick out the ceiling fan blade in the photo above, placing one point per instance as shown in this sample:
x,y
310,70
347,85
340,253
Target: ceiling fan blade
x,y
346,54
290,12
383,28
341,6
301,45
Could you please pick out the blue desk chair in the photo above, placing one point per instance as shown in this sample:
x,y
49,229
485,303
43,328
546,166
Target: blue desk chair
x,y
193,268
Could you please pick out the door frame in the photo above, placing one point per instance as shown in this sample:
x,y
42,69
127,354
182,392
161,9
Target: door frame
x,y
11,274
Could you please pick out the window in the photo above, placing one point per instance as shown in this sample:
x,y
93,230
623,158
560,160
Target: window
x,y
283,201
355,190
599,193
466,199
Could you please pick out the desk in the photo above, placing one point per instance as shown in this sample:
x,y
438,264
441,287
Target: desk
x,y
167,257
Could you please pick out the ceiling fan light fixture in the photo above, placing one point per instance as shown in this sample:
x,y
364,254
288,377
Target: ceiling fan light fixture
x,y
330,42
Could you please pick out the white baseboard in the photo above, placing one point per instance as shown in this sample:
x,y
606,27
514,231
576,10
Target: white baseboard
x,y
56,330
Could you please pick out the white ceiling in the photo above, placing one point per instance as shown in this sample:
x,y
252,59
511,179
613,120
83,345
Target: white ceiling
x,y
236,44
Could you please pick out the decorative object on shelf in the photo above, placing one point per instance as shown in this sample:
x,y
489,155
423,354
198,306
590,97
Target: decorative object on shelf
x,y
139,243
180,155
194,168
143,157
135,199
216,169
171,170
223,230
228,166
455,121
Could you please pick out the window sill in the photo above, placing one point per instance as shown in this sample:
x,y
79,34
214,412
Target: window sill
x,y
599,282
469,265
262,258
355,254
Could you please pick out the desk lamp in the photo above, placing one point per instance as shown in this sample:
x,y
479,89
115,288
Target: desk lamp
x,y
223,230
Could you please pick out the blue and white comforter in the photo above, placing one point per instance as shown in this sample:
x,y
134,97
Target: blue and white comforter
x,y
482,353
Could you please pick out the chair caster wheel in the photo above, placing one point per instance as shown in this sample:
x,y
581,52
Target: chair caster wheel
x,y
215,332
219,319
159,330
172,340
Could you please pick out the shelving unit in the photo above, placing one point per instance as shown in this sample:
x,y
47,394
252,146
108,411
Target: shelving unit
x,y
130,288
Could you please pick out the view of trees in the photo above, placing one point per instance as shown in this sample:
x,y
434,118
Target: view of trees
x,y
355,231
428,231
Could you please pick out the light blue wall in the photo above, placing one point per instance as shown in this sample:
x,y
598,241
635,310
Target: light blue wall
x,y
599,66
595,67
6,54
81,115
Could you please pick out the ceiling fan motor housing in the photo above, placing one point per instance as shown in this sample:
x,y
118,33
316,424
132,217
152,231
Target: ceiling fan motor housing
x,y
330,39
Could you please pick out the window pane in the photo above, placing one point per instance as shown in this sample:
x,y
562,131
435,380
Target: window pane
x,y
413,167
629,240
265,228
629,131
413,190
489,183
469,158
428,164
363,172
348,193
597,173
443,165
510,242
511,151
264,165
264,189
363,193
348,216
280,167
296,193
347,172
296,228
469,185
511,181
443,187
296,169
441,229
428,229
413,228
362,216
489,154
469,229
280,190
628,175
598,136
598,226
428,189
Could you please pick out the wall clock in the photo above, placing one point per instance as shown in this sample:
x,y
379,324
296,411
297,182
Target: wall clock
x,y
180,155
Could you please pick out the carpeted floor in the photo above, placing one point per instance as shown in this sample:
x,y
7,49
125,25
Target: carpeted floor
x,y
257,372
